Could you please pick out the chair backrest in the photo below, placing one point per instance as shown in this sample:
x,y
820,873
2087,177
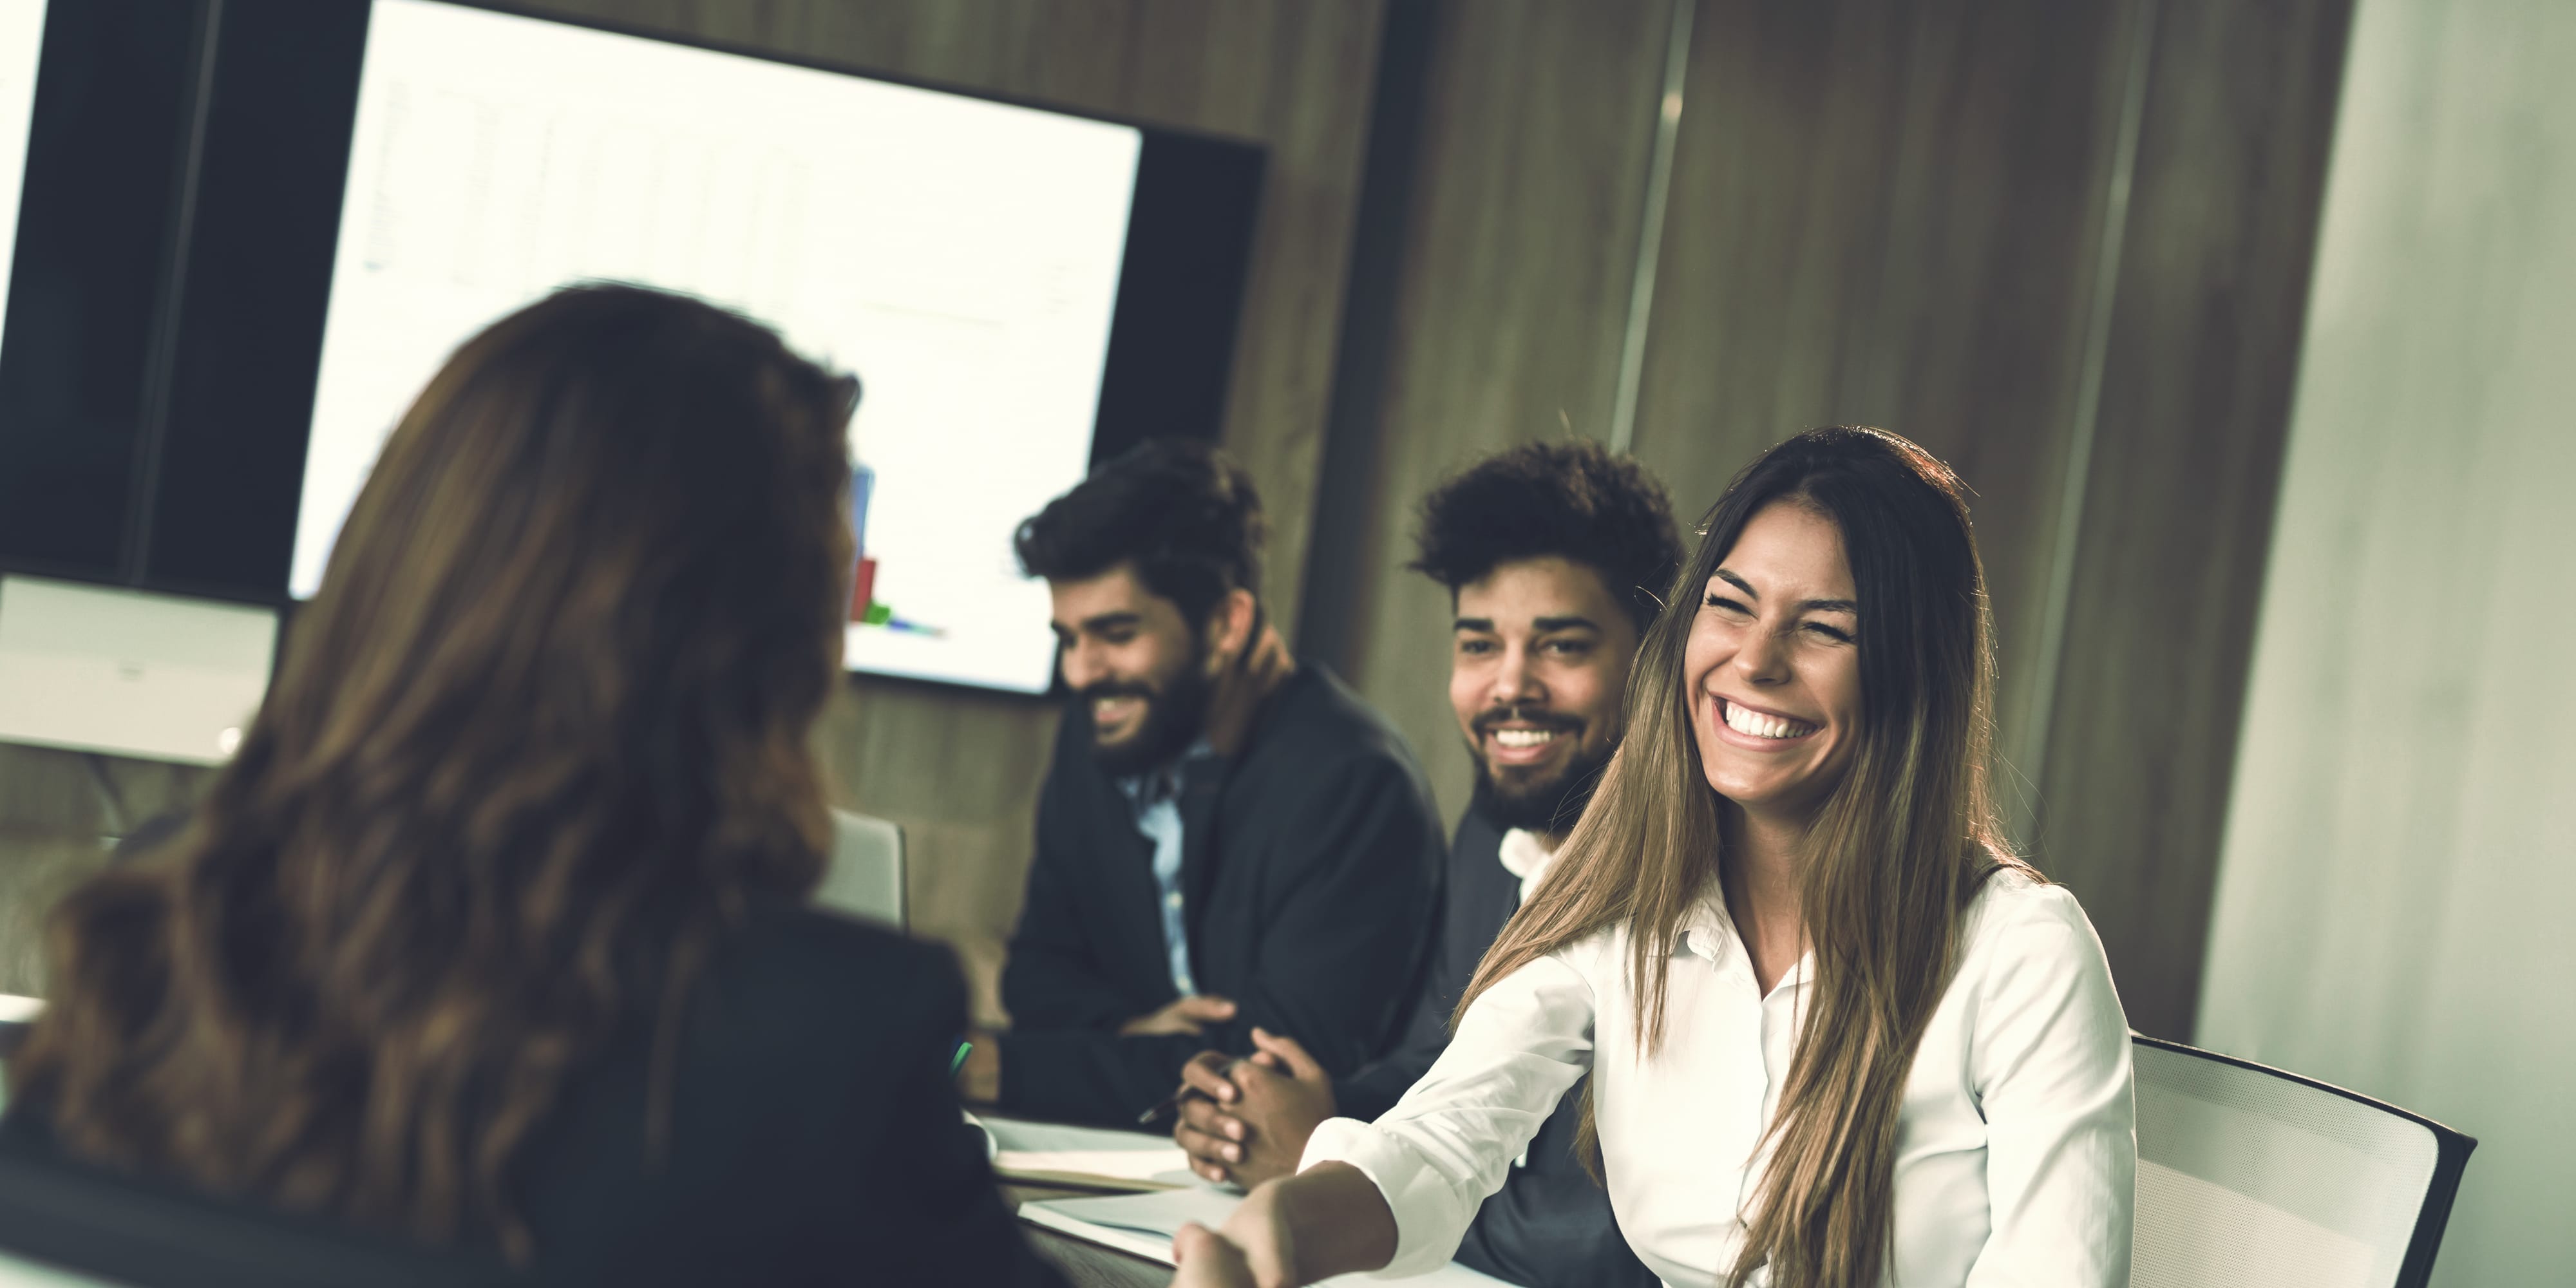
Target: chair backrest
x,y
865,877
17,1015
18,1272
2248,1175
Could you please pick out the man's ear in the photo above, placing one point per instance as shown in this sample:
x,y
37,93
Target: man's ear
x,y
1230,626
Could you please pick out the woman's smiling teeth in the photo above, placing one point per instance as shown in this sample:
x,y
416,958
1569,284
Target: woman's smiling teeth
x,y
1523,739
1761,726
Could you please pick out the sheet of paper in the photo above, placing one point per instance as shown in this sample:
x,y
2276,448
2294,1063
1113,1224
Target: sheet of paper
x,y
1162,1167
1145,1223
1016,1136
1102,1157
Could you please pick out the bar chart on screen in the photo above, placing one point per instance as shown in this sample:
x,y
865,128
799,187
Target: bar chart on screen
x,y
960,256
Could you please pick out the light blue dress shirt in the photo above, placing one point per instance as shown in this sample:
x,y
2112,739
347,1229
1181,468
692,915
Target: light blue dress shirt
x,y
1156,796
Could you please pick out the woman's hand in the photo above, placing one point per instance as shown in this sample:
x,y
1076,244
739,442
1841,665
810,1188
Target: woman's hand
x,y
1208,1261
1260,1226
1324,1221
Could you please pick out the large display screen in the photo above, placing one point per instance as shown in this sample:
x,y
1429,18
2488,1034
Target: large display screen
x,y
22,43
961,256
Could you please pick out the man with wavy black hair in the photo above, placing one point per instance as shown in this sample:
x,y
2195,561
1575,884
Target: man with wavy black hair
x,y
1554,556
1226,839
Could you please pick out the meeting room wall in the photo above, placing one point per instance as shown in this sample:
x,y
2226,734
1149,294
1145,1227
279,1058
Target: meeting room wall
x,y
2400,853
1899,215
958,768
2063,245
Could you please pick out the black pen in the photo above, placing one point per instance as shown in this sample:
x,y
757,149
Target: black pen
x,y
1172,1103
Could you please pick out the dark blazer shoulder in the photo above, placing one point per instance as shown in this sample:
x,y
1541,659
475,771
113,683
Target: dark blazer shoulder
x,y
797,980
1318,722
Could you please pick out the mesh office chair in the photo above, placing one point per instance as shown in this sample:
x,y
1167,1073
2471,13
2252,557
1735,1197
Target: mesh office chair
x,y
865,876
2249,1175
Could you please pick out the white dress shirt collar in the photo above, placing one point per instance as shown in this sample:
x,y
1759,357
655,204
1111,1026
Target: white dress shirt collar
x,y
1708,932
1525,856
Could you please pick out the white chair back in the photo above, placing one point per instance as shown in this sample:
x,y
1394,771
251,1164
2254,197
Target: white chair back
x,y
2249,1175
865,877
18,1272
17,1015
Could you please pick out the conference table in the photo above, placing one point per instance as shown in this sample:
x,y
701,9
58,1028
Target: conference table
x,y
1085,1265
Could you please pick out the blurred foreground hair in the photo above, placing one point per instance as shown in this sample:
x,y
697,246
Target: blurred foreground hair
x,y
537,741
1895,854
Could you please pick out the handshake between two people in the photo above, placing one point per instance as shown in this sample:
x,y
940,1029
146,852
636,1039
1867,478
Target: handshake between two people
x,y
1246,1120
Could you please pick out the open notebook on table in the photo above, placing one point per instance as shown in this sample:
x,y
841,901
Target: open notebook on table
x,y
1143,1224
1097,1158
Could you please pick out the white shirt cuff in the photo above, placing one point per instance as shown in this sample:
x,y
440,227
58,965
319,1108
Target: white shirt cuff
x,y
1429,1220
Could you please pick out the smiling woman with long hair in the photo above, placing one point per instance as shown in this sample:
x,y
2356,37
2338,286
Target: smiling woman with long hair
x,y
492,934
1837,1035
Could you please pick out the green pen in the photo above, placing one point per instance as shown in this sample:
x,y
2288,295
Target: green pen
x,y
958,1061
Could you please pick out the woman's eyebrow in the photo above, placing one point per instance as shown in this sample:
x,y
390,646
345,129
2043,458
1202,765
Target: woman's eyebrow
x,y
1805,606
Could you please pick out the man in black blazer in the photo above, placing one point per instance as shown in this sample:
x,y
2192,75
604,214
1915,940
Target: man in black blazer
x,y
1554,556
1225,838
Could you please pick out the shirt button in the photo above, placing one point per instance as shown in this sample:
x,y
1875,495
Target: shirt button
x,y
1172,900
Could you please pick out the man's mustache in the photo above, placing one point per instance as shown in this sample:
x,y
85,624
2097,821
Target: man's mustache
x,y
1523,713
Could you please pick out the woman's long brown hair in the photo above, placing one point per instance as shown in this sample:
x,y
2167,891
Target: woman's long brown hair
x,y
1892,860
538,739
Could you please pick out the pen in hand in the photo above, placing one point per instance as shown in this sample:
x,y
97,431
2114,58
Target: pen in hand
x,y
1172,1103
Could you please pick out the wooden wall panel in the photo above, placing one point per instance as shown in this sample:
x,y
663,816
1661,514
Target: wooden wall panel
x,y
2177,519
1890,215
1530,180
1898,215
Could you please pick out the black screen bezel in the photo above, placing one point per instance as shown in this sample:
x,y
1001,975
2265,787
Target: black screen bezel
x,y
280,116
86,341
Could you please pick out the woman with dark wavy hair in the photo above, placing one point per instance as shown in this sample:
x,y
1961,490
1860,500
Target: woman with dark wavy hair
x,y
492,934
1837,1035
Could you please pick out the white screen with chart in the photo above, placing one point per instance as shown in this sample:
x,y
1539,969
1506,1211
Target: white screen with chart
x,y
962,257
22,45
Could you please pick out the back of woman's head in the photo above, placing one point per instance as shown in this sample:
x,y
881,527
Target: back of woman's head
x,y
540,736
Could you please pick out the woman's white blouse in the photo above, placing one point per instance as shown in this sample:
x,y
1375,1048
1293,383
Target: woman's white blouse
x,y
2016,1149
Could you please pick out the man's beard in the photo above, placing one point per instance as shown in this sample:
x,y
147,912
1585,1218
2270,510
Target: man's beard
x,y
1175,712
1547,804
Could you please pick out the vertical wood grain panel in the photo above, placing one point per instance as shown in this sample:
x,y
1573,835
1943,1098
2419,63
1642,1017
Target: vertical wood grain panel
x,y
2195,406
1538,118
1887,215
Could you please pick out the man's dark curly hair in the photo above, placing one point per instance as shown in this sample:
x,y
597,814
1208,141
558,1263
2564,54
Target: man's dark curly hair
x,y
1571,499
1181,512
